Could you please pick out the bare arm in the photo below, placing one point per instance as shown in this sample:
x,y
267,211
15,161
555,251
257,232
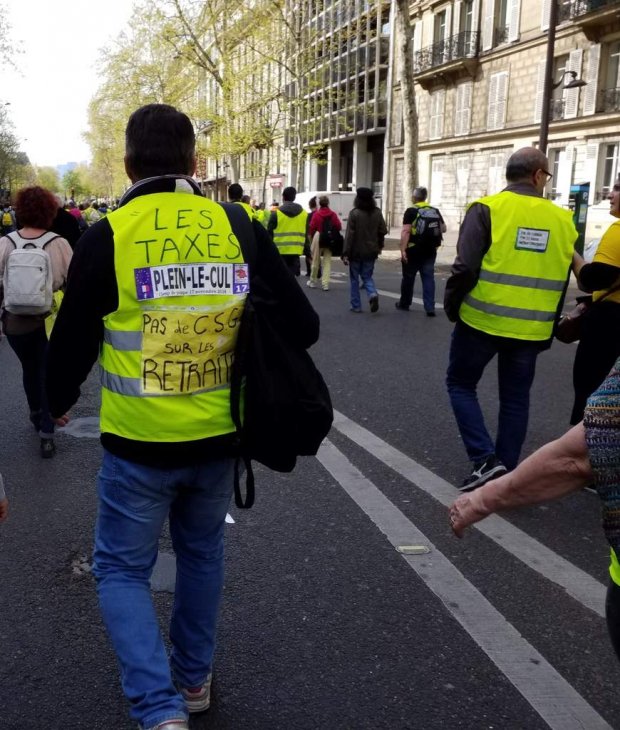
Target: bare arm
x,y
405,235
555,470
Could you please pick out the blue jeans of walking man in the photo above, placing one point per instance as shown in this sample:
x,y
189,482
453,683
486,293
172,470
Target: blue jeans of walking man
x,y
134,502
425,265
361,270
470,353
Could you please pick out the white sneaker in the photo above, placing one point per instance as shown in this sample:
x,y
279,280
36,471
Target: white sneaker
x,y
198,699
325,288
311,284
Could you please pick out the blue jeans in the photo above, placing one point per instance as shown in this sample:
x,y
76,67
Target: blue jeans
x,y
426,266
363,270
134,501
470,352
31,349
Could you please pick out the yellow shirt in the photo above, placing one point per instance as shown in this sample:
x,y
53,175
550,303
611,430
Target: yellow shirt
x,y
608,252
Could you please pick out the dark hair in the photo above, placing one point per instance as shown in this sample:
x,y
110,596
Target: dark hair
x,y
364,199
235,191
35,207
312,202
159,140
420,193
523,163
324,201
289,194
245,199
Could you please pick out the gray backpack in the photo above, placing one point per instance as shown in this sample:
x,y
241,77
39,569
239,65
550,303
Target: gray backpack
x,y
28,279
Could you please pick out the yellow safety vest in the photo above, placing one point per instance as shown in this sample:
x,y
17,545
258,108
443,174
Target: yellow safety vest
x,y
248,209
290,233
168,348
614,568
524,272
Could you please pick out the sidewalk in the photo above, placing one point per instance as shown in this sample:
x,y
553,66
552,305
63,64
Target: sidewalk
x,y
445,254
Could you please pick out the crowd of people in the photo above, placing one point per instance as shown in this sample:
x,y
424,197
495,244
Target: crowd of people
x,y
169,441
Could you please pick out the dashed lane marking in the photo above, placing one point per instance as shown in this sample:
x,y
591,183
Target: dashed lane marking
x,y
576,582
551,696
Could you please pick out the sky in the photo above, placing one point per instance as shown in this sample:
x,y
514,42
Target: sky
x,y
56,73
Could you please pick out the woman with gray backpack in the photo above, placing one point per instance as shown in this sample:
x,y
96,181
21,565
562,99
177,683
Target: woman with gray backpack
x,y
34,263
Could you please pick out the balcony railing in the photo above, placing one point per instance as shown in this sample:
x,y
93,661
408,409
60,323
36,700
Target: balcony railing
x,y
610,100
577,8
461,45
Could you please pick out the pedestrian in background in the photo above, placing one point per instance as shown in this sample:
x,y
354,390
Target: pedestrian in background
x,y
421,236
514,254
4,502
363,243
36,209
599,344
166,426
288,226
323,223
309,252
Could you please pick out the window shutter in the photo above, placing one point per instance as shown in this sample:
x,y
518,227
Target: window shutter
x,y
591,90
571,96
432,131
492,102
546,13
514,13
437,181
475,15
502,99
458,111
417,36
462,119
540,87
438,101
456,21
565,176
590,169
488,7
447,45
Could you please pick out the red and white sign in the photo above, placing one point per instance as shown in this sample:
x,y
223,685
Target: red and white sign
x,y
276,181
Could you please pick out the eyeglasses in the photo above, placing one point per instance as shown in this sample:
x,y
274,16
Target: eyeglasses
x,y
547,173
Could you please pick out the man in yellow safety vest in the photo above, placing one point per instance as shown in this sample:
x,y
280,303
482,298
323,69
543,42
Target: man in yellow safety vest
x,y
508,281
288,226
157,290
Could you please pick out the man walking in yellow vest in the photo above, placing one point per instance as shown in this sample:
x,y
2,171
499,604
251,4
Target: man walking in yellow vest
x,y
158,288
288,226
514,254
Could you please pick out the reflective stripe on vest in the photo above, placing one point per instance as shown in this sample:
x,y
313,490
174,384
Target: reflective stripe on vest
x,y
524,272
290,233
168,349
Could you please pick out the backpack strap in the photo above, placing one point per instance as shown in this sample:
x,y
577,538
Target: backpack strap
x,y
242,228
20,242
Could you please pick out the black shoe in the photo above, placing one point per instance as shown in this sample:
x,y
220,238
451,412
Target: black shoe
x,y
48,448
400,306
483,472
374,303
431,314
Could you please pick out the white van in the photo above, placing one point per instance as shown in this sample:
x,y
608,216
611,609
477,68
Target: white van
x,y
341,202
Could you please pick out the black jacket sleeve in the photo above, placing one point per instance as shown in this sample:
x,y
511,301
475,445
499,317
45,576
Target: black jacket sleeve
x,y
473,243
597,275
91,293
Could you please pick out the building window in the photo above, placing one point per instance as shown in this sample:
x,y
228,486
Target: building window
x,y
553,191
560,66
440,27
611,153
498,94
462,119
611,92
437,105
436,183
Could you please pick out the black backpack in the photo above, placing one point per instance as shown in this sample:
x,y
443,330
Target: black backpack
x,y
287,409
330,238
426,229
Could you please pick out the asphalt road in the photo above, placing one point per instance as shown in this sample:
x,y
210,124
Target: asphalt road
x,y
325,624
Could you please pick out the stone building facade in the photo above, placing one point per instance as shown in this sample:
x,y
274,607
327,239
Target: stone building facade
x,y
479,70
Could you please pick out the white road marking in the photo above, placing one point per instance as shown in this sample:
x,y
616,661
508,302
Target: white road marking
x,y
384,292
576,582
230,520
551,696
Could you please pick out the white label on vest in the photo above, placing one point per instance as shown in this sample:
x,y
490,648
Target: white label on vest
x,y
532,239
187,280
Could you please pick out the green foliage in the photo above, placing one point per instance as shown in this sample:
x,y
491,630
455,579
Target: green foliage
x,y
47,177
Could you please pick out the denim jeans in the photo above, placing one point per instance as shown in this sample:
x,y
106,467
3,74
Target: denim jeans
x,y
470,352
134,501
363,270
31,349
426,266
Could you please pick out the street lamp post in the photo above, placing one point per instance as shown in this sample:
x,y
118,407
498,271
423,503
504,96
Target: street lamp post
x,y
549,85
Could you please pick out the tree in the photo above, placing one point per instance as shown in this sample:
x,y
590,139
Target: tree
x,y
73,185
47,177
407,90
